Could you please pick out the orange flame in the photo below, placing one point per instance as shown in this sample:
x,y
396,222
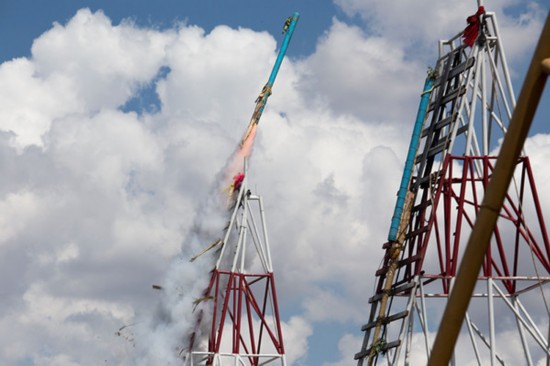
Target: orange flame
x,y
248,142
244,150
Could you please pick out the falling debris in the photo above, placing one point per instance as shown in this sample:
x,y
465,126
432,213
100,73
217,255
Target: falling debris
x,y
126,334
196,302
213,245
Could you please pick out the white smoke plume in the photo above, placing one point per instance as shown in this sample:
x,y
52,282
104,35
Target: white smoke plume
x,y
181,319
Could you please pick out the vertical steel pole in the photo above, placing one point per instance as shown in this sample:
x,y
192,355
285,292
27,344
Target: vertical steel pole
x,y
477,78
425,316
522,334
484,127
490,302
472,338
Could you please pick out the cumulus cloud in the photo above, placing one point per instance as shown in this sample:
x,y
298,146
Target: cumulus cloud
x,y
97,199
222,53
354,73
95,56
413,23
296,334
418,26
347,346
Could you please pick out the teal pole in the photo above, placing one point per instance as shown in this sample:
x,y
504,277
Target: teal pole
x,y
261,101
282,51
411,155
290,24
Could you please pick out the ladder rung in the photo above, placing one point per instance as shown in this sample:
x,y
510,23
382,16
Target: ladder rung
x,y
409,260
386,320
422,205
403,288
432,150
421,182
437,148
425,179
376,297
381,271
386,347
459,69
461,130
400,263
451,95
393,291
361,355
417,232
439,125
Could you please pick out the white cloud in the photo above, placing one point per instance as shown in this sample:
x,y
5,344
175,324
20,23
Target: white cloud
x,y
208,82
426,21
87,65
348,346
354,73
97,57
104,148
321,304
296,332
417,26
30,103
16,210
59,330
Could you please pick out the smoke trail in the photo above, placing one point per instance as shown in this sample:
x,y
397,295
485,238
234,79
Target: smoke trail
x,y
164,337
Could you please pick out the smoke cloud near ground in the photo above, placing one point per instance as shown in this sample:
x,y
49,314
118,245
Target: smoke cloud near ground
x,y
163,337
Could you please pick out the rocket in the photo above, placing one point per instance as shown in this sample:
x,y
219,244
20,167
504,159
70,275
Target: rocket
x,y
288,30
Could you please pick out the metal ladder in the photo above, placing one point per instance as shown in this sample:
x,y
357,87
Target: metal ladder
x,y
404,259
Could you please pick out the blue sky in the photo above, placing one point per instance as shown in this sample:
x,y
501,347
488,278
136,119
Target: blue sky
x,y
266,16
112,132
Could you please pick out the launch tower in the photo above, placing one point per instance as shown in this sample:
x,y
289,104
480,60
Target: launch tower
x,y
243,313
464,112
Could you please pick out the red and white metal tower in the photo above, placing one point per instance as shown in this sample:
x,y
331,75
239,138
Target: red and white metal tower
x,y
465,109
242,312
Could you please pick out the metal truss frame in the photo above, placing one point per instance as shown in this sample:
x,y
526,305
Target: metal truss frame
x,y
245,328
471,104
